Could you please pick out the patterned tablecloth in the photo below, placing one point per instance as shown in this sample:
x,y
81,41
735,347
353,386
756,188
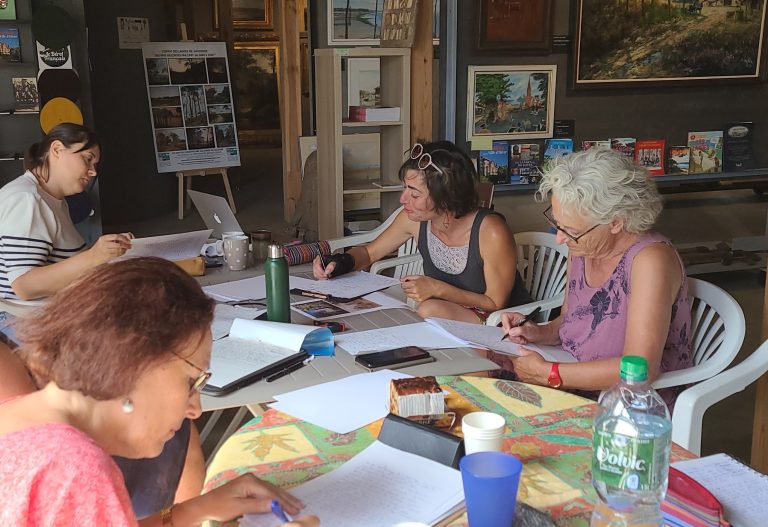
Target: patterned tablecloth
x,y
549,430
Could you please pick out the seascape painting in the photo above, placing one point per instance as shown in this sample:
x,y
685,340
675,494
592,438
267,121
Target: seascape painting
x,y
635,42
511,102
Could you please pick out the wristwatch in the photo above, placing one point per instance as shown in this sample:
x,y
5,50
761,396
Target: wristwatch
x,y
553,379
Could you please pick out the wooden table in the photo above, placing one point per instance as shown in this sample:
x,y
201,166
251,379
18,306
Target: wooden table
x,y
549,430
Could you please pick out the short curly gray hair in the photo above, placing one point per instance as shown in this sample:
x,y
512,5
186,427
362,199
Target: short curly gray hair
x,y
603,185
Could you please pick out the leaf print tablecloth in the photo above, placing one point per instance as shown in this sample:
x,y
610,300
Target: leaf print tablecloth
x,y
549,430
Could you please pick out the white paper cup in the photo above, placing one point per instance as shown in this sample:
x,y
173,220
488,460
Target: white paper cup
x,y
483,432
236,252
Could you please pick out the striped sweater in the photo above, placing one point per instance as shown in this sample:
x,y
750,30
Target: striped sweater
x,y
35,230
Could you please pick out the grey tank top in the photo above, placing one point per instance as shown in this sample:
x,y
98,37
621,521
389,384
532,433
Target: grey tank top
x,y
472,278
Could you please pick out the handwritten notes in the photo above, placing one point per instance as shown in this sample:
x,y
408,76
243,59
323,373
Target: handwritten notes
x,y
170,246
420,334
350,285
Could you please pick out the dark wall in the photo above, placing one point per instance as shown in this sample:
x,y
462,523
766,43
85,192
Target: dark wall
x,y
651,113
131,188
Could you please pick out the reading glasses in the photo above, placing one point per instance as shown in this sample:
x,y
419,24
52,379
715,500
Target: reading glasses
x,y
573,237
201,380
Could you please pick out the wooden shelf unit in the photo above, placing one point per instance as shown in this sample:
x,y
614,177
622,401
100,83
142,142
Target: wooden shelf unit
x,y
395,64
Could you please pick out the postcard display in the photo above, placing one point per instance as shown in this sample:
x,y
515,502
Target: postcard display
x,y
190,104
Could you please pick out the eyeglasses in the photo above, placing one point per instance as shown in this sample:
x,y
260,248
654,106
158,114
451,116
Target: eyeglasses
x,y
424,160
201,380
573,238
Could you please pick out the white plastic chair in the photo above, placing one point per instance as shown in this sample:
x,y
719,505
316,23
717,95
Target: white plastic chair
x,y
543,266
717,332
693,402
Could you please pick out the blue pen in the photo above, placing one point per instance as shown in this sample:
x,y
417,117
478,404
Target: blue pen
x,y
278,511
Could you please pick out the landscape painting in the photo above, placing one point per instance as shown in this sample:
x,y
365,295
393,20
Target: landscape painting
x,y
630,43
511,102
358,22
255,70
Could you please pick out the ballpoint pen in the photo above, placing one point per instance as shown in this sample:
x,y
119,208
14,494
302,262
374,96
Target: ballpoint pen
x,y
525,320
290,369
278,511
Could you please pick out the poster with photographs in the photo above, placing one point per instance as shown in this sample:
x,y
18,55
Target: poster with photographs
x,y
190,105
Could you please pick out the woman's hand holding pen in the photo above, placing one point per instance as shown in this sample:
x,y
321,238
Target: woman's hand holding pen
x,y
520,331
320,270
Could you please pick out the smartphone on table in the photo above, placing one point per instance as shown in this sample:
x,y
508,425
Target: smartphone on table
x,y
394,358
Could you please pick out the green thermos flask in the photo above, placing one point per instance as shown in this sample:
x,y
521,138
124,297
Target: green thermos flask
x,y
276,275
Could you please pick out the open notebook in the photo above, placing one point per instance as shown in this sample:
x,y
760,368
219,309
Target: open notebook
x,y
256,349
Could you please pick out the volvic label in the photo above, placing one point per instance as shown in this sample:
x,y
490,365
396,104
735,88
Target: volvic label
x,y
624,462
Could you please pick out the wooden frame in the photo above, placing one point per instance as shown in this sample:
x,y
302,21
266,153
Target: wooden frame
x,y
399,23
514,25
511,102
251,91
242,19
373,40
689,43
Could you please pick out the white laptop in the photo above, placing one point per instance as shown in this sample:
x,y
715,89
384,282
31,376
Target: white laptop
x,y
216,213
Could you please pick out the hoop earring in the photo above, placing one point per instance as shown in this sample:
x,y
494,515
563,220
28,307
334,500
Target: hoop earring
x,y
127,406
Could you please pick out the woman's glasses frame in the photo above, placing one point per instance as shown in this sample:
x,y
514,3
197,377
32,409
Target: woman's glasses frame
x,y
201,380
554,225
423,159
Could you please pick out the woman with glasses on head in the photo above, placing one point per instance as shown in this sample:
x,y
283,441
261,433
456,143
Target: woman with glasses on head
x,y
469,253
41,249
120,374
627,293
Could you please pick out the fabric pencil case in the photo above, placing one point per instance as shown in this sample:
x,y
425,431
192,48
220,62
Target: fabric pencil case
x,y
305,252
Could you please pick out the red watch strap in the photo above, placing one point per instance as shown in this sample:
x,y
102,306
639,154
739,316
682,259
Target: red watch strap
x,y
553,379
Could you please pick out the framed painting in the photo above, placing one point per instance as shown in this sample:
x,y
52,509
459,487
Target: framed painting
x,y
255,85
252,14
511,102
677,42
515,25
363,82
359,22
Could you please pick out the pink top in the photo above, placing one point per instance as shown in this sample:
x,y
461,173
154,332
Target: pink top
x,y
55,475
595,324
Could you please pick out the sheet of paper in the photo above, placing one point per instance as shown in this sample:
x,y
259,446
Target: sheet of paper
x,y
247,289
296,337
741,490
232,358
325,310
379,487
350,285
224,316
343,405
419,334
489,337
170,246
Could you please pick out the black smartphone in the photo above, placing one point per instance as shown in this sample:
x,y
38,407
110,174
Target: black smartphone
x,y
394,358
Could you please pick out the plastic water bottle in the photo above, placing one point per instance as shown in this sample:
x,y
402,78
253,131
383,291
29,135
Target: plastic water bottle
x,y
632,440
276,277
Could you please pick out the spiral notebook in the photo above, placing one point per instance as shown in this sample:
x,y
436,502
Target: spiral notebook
x,y
740,489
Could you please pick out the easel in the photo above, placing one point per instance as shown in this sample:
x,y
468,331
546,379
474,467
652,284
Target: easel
x,y
184,197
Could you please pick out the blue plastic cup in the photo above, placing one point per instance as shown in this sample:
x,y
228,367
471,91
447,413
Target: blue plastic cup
x,y
490,488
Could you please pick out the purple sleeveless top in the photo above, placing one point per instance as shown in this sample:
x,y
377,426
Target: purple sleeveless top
x,y
594,326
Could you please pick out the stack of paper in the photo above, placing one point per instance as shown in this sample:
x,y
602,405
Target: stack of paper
x,y
170,246
224,315
419,334
343,405
489,337
380,487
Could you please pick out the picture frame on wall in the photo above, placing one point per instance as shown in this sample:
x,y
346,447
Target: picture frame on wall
x,y
252,14
359,22
399,23
672,43
7,9
512,25
256,86
512,102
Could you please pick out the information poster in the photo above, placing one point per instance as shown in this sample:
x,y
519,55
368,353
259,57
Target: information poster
x,y
190,104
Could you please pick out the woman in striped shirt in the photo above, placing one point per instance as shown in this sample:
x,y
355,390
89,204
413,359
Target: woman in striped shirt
x,y
41,252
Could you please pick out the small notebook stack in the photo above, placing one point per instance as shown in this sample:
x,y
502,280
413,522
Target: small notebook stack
x,y
416,396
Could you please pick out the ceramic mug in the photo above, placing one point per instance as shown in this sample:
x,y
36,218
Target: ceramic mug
x,y
236,252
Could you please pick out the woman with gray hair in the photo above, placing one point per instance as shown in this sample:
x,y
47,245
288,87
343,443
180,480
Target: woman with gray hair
x,y
627,293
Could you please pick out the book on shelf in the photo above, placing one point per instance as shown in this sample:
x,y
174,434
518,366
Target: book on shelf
x,y
25,94
493,165
706,151
365,114
10,49
624,145
678,160
649,153
737,147
524,163
554,148
600,143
